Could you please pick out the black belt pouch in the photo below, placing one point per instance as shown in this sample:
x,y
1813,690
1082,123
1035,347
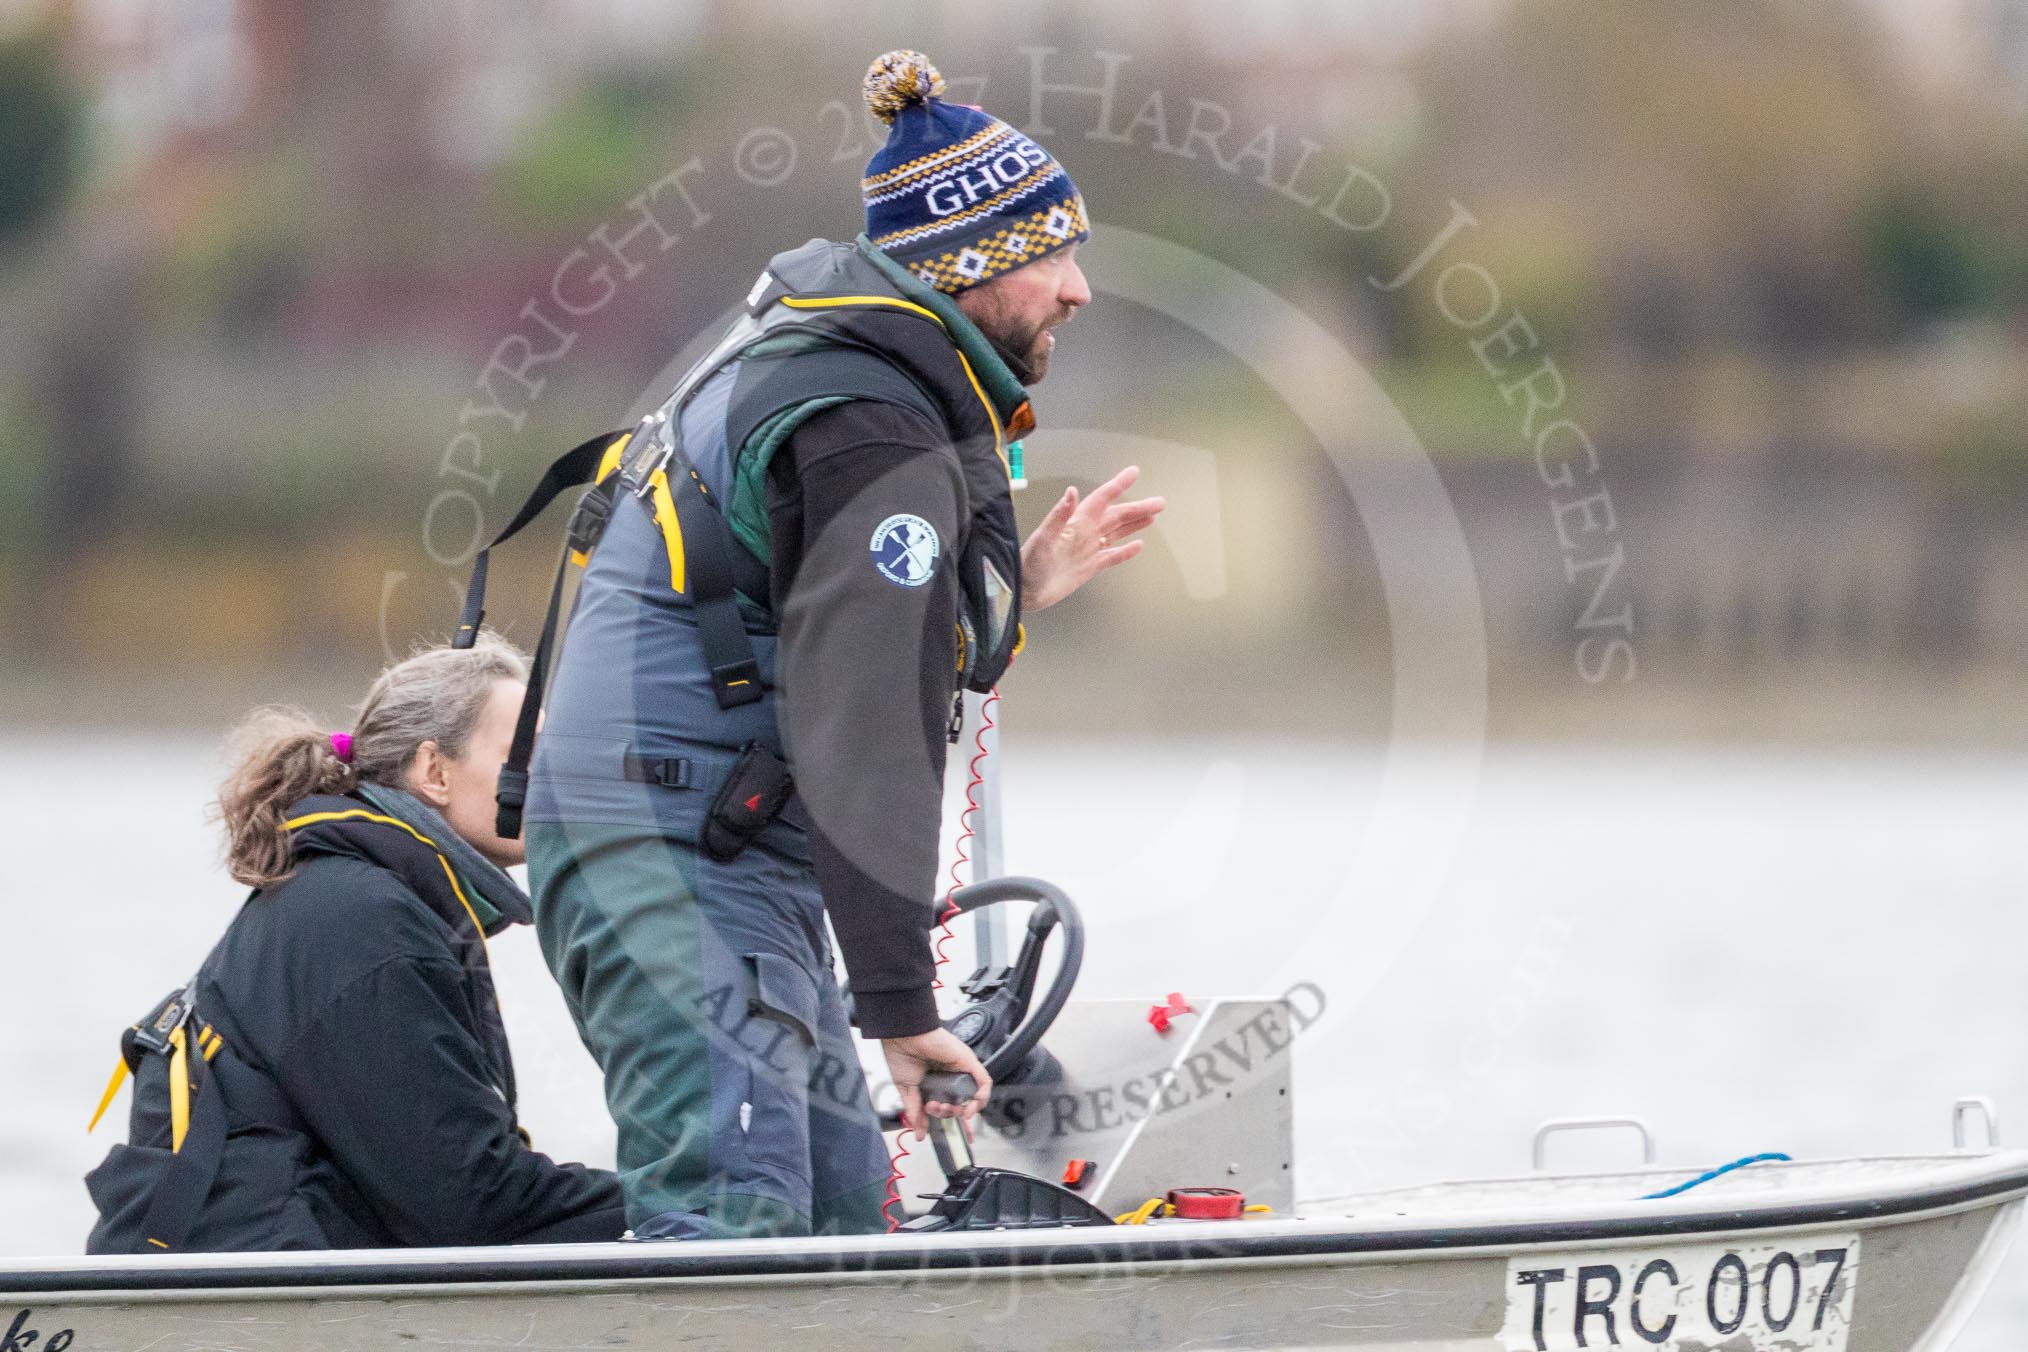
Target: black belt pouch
x,y
750,798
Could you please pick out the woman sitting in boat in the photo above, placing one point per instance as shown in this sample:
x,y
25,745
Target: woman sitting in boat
x,y
336,1075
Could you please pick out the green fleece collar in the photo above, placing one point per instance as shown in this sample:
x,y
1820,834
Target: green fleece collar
x,y
1006,392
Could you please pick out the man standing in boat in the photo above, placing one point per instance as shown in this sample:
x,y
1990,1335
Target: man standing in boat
x,y
804,566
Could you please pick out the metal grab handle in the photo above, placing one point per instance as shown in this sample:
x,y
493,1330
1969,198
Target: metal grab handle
x,y
1559,1125
1962,1109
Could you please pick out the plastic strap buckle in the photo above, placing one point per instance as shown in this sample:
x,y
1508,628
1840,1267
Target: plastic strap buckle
x,y
512,797
513,787
155,1032
588,522
671,772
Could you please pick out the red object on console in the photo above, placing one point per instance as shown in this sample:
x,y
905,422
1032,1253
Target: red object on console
x,y
1208,1204
1160,1015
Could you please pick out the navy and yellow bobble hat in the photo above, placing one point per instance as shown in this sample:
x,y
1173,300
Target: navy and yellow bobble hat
x,y
956,195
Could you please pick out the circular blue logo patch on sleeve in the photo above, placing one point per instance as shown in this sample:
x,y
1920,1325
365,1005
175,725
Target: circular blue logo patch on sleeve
x,y
905,549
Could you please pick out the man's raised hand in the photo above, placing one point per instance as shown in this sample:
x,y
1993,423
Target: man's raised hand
x,y
1081,538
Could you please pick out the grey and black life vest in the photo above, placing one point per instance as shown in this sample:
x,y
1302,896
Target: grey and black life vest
x,y
671,638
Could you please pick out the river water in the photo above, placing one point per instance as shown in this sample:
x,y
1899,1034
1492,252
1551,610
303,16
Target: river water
x,y
1754,950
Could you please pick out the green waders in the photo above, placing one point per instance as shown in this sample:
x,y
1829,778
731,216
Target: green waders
x,y
705,992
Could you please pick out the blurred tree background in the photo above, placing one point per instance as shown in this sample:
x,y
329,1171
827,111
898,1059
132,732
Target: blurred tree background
x,y
255,257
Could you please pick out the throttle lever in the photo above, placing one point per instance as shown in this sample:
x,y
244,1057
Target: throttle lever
x,y
947,1134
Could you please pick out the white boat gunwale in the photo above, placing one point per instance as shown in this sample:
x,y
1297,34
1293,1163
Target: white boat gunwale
x,y
1959,1184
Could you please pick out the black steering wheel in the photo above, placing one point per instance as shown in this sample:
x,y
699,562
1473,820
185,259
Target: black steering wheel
x,y
1002,1022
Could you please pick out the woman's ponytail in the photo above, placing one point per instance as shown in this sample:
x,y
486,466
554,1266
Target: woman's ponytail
x,y
279,757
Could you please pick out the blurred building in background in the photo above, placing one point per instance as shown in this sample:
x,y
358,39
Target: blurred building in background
x,y
256,257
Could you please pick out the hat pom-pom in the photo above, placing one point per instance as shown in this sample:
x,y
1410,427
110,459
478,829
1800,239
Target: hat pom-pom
x,y
898,79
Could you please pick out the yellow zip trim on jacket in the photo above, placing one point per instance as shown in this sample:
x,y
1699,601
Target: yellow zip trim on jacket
x,y
999,432
992,414
361,814
210,1040
826,302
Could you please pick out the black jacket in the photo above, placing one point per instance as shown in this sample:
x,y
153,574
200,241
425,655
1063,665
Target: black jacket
x,y
869,743
367,1083
868,670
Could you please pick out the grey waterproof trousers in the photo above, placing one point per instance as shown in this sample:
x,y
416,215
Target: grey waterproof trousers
x,y
705,992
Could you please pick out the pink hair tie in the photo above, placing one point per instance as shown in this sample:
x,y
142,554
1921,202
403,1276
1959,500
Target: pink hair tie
x,y
341,746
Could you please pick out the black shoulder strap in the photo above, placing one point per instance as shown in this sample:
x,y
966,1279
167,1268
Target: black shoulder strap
x,y
207,1067
709,562
573,467
579,465
179,1198
513,790
709,552
713,562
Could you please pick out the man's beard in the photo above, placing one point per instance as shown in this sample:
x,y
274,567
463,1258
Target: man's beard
x,y
1021,346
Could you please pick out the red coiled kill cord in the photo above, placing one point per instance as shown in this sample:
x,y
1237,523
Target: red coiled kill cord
x,y
894,1177
966,831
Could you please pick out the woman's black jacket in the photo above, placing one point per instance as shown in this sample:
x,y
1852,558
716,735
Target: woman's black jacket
x,y
357,1050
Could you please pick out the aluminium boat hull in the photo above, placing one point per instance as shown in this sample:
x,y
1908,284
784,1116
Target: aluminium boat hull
x,y
1838,1256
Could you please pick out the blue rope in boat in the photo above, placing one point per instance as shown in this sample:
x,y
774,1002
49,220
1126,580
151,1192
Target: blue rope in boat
x,y
1715,1173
